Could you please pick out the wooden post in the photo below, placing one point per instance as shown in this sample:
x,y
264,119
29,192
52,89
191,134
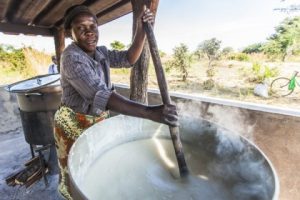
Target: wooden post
x,y
139,73
59,42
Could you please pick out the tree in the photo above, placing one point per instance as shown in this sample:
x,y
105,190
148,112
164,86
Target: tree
x,y
199,54
117,45
290,8
285,40
226,51
181,60
210,48
253,48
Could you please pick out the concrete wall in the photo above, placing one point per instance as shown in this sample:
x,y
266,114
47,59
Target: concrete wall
x,y
274,130
10,116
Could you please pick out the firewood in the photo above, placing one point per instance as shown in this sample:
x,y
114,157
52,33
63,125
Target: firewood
x,y
30,170
30,174
32,161
34,178
10,180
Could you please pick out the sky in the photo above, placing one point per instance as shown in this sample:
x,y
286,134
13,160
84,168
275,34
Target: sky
x,y
237,23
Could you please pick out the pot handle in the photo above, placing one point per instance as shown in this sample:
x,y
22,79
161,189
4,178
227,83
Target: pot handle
x,y
33,94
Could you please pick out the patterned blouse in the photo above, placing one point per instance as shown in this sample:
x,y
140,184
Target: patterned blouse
x,y
86,81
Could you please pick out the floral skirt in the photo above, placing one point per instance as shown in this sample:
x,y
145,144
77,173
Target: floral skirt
x,y
68,126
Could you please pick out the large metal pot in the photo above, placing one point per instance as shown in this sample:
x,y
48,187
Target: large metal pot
x,y
43,99
229,157
38,99
40,93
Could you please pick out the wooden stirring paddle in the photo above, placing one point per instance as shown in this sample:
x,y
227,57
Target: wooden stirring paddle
x,y
174,131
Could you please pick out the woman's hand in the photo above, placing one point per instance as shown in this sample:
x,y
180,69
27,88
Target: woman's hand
x,y
166,114
148,16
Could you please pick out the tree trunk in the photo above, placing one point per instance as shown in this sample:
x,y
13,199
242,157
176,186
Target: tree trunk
x,y
185,75
283,57
139,73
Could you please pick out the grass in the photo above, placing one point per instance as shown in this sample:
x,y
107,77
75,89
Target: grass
x,y
10,76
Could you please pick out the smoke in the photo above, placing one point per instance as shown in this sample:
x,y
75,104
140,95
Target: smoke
x,y
234,161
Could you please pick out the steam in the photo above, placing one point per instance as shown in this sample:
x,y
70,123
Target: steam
x,y
236,162
233,160
233,119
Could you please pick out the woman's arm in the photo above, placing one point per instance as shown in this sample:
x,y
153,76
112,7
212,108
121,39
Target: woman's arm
x,y
137,45
166,114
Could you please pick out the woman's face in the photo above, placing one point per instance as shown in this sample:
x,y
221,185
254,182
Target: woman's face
x,y
84,32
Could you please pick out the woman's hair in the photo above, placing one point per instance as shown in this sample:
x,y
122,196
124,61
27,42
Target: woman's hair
x,y
73,12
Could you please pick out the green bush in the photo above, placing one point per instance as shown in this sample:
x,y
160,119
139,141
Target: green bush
x,y
12,59
261,72
161,53
211,72
239,57
208,84
18,64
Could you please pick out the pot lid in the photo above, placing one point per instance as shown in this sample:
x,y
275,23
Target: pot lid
x,y
34,83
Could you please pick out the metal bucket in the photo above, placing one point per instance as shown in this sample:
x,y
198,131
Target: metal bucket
x,y
232,160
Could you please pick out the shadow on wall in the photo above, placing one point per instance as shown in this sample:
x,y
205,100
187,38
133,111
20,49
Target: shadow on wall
x,y
10,116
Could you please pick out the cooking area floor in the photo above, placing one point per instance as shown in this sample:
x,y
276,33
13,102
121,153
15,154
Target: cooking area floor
x,y
14,153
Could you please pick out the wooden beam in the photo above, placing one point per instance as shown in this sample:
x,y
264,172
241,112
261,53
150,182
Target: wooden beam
x,y
12,8
59,42
56,12
102,8
24,5
118,10
139,73
27,30
4,5
29,10
99,6
45,11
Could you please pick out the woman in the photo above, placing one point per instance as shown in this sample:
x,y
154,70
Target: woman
x,y
87,91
